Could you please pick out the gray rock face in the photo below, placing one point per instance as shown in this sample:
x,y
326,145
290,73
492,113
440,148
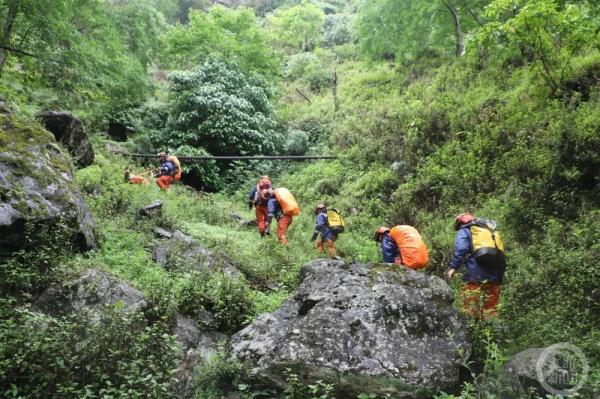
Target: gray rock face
x,y
196,347
68,130
367,329
37,190
93,289
181,251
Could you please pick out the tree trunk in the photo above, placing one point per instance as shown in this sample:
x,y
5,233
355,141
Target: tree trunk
x,y
11,15
458,34
336,100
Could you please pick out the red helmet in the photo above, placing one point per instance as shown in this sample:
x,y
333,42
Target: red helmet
x,y
379,232
462,219
319,208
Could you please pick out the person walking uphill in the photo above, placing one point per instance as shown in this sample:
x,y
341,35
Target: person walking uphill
x,y
328,229
165,173
169,171
402,245
259,198
479,246
283,206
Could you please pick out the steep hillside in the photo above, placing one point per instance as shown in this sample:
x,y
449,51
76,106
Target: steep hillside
x,y
432,109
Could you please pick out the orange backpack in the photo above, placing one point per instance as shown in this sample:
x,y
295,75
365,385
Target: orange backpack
x,y
287,201
413,250
177,164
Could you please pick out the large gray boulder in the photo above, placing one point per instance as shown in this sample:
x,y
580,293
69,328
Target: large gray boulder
x,y
372,329
68,130
37,191
94,289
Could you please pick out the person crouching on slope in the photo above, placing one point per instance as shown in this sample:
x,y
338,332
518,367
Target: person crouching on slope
x,y
166,172
283,221
402,245
483,278
328,236
134,179
259,198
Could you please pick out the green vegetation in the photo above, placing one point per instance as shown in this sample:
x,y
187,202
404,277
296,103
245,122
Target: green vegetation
x,y
433,108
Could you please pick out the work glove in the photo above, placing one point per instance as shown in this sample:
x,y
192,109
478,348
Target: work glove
x,y
314,236
249,206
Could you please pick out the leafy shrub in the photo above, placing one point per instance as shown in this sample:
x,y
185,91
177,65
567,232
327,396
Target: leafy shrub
x,y
39,263
297,142
337,30
84,356
227,297
307,68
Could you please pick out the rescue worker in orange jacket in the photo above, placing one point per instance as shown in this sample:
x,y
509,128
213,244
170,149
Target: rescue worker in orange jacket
x,y
166,172
283,221
481,290
134,179
259,198
328,236
402,245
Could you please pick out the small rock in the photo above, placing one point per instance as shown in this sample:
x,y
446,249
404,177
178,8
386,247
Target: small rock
x,y
154,209
164,233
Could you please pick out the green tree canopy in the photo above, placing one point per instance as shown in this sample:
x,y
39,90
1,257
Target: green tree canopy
x,y
547,32
230,34
89,54
402,28
299,27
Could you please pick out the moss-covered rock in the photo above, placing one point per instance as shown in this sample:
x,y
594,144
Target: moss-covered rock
x,y
37,189
363,328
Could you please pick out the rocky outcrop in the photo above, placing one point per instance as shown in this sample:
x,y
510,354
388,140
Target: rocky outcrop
x,y
119,131
68,130
181,251
93,289
363,328
196,347
37,191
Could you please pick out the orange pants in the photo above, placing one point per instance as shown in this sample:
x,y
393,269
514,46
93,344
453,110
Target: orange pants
x,y
329,244
282,227
261,217
164,182
480,300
